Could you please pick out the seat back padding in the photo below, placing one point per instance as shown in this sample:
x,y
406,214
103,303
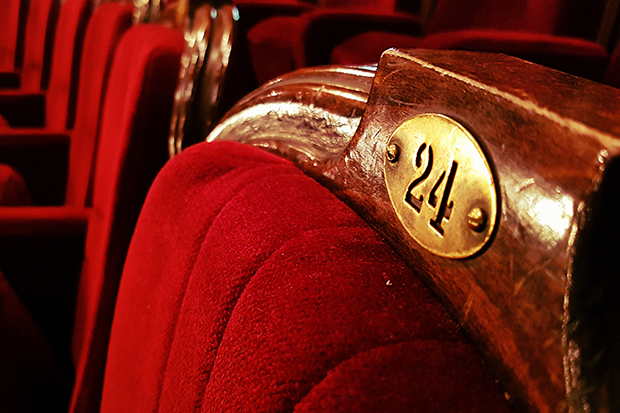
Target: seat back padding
x,y
132,149
249,287
109,22
62,92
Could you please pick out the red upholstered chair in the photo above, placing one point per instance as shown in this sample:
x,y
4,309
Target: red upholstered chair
x,y
38,45
132,148
240,75
41,155
250,287
282,44
532,30
55,108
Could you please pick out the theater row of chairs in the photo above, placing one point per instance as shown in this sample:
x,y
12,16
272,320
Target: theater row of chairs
x,y
558,34
182,339
247,285
63,262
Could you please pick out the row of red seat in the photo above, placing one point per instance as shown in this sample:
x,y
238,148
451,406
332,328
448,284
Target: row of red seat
x,y
63,256
557,33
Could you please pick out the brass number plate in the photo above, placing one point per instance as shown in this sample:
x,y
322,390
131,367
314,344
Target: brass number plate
x,y
441,185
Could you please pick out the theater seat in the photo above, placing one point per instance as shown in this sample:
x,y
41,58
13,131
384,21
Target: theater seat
x,y
27,108
529,30
132,149
249,287
41,155
281,44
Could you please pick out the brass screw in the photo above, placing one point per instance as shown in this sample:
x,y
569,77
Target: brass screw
x,y
477,219
393,152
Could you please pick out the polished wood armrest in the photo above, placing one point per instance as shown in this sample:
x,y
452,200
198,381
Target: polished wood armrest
x,y
41,158
23,109
538,293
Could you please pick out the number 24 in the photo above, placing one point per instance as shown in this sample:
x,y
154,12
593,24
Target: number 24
x,y
417,202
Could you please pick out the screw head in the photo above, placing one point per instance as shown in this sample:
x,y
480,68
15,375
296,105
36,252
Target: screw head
x,y
393,152
477,219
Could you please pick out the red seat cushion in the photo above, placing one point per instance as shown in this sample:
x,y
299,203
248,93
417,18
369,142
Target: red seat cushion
x,y
249,287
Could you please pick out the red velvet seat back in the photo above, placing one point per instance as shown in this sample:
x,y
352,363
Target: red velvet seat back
x,y
38,46
62,92
249,287
539,16
109,22
9,23
132,149
377,6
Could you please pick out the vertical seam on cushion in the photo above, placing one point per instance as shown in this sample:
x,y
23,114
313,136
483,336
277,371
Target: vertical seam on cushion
x,y
196,254
259,267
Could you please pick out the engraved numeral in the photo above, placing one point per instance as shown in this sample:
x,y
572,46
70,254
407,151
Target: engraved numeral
x,y
445,208
444,211
416,202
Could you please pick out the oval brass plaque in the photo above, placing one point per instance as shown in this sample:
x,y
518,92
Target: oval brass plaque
x,y
441,185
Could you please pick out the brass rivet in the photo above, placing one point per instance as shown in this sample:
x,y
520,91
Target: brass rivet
x,y
393,152
477,219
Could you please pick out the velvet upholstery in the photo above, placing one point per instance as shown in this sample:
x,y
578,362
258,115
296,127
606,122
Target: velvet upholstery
x,y
132,149
107,25
9,23
576,56
249,287
38,45
529,29
27,108
105,28
68,42
539,16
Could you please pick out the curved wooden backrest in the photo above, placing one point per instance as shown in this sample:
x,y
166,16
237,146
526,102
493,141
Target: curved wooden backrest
x,y
538,292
